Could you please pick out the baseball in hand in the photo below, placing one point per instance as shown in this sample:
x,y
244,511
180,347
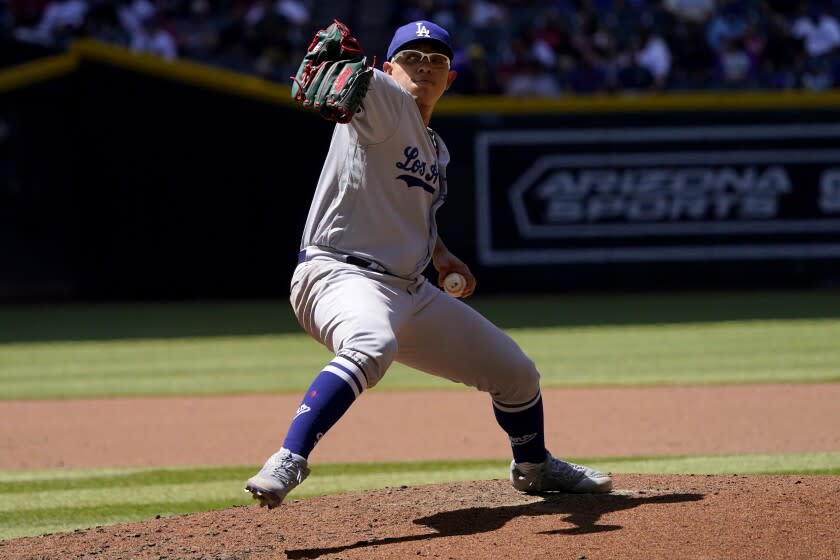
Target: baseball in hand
x,y
454,284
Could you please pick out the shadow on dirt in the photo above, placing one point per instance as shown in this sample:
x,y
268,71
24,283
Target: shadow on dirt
x,y
582,512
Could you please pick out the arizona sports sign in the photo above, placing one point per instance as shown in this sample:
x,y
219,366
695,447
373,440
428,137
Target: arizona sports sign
x,y
658,194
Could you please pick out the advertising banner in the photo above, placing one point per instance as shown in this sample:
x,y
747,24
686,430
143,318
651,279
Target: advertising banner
x,y
658,194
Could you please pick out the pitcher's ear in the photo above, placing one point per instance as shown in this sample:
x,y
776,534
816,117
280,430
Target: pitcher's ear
x,y
451,78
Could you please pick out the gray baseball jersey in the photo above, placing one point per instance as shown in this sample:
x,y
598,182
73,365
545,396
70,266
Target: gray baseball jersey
x,y
381,184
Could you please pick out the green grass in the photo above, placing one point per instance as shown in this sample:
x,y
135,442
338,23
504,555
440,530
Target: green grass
x,y
35,502
78,322
747,351
240,347
726,352
172,366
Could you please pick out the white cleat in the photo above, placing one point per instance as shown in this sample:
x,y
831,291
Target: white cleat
x,y
280,474
554,475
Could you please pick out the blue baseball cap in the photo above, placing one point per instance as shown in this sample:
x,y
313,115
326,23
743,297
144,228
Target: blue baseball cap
x,y
420,30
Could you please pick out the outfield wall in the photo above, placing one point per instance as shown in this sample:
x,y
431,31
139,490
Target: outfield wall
x,y
124,177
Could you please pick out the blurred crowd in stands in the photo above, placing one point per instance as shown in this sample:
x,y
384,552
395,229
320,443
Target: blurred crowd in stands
x,y
515,47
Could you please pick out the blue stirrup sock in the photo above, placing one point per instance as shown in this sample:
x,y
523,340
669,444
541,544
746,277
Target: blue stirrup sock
x,y
325,402
524,425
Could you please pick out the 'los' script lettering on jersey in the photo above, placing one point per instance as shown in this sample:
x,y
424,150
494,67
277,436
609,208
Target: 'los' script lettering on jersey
x,y
418,177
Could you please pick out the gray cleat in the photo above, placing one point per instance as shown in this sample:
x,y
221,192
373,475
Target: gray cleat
x,y
280,474
554,475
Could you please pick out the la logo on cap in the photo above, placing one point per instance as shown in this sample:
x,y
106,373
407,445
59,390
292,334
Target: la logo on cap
x,y
422,30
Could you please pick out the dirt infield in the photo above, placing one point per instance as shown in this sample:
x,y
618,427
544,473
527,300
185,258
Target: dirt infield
x,y
385,426
673,517
645,516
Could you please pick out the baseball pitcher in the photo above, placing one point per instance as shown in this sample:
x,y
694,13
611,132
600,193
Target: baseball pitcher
x,y
359,287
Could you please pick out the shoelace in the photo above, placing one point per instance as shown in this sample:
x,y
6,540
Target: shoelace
x,y
563,470
287,470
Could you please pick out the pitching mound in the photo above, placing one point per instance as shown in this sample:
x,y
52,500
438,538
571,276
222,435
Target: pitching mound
x,y
646,517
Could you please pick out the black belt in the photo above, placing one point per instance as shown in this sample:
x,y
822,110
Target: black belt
x,y
349,259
